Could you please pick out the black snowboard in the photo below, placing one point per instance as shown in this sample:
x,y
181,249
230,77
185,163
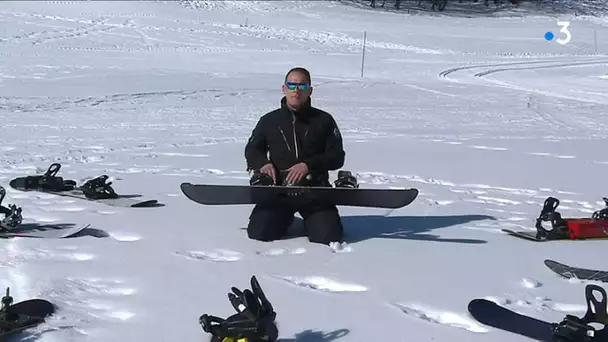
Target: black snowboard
x,y
576,273
209,194
496,316
23,315
571,328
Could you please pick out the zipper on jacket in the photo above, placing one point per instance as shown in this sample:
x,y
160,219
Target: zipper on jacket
x,y
284,138
295,138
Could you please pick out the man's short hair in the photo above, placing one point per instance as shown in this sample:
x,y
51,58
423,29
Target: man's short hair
x,y
299,70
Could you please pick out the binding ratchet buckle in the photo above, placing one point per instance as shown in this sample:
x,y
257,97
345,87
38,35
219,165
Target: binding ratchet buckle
x,y
575,329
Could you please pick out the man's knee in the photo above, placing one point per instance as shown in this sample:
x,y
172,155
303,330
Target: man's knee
x,y
268,224
324,226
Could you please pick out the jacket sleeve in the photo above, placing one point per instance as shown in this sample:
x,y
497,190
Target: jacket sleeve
x,y
333,156
256,150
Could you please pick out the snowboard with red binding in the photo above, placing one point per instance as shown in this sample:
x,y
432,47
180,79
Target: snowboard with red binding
x,y
594,227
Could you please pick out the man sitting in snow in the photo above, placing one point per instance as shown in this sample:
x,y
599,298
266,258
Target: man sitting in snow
x,y
303,144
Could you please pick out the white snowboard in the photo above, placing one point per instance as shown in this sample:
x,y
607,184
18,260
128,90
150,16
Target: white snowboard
x,y
44,231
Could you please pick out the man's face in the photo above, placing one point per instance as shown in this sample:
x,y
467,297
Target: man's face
x,y
297,90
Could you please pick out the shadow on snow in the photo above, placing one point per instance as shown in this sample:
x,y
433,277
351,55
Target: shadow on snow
x,y
365,227
316,336
360,228
94,232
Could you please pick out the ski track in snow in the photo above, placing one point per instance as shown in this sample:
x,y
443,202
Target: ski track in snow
x,y
530,283
95,87
125,236
89,301
218,255
81,301
21,256
432,315
282,251
495,148
322,284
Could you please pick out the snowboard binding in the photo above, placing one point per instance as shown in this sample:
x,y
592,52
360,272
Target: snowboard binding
x,y
6,316
48,181
12,214
259,178
570,228
603,213
98,188
575,329
253,322
558,229
11,321
346,180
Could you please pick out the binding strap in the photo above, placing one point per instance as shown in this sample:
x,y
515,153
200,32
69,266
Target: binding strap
x,y
46,182
253,322
98,188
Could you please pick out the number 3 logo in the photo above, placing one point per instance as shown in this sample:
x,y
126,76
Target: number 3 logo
x,y
564,29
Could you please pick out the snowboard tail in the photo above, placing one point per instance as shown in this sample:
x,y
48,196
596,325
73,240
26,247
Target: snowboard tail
x,y
499,317
44,231
17,317
595,227
209,194
570,272
570,329
96,189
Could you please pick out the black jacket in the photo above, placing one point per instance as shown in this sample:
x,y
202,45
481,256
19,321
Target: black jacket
x,y
318,141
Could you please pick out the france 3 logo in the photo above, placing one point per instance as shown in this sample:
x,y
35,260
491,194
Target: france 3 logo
x,y
564,30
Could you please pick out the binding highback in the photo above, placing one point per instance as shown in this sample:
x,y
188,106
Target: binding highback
x,y
575,329
253,322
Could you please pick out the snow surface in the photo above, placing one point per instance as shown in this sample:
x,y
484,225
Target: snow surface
x,y
483,115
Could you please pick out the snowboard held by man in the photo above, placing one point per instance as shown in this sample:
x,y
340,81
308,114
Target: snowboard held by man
x,y
296,144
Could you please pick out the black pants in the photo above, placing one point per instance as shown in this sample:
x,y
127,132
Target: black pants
x,y
321,222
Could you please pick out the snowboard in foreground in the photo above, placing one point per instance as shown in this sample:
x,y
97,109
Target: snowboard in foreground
x,y
17,317
345,193
96,189
571,329
595,227
210,194
570,272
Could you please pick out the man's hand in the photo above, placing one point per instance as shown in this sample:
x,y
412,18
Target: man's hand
x,y
269,170
296,173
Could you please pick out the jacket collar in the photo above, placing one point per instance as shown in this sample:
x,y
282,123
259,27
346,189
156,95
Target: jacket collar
x,y
300,114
